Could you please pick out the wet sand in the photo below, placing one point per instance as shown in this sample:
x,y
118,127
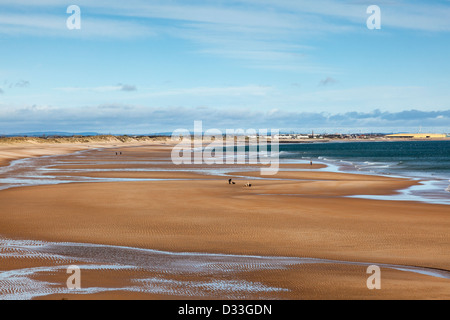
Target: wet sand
x,y
295,214
19,151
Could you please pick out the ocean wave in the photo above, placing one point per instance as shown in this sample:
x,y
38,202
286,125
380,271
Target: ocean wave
x,y
380,167
327,159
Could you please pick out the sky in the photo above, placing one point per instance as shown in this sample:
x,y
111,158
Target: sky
x,y
146,66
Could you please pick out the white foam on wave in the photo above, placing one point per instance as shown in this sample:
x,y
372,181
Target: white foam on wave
x,y
423,192
429,190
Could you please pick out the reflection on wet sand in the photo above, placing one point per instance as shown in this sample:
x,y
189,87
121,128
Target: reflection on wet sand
x,y
217,275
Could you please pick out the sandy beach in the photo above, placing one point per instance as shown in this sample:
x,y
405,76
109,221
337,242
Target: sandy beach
x,y
145,202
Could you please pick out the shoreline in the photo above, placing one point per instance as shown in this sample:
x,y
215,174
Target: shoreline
x,y
319,165
415,192
431,187
16,148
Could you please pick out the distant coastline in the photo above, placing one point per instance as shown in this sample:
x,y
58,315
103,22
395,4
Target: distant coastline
x,y
292,141
165,138
82,139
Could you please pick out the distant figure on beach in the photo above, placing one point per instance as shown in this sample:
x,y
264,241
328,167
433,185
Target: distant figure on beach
x,y
310,162
248,185
230,180
116,153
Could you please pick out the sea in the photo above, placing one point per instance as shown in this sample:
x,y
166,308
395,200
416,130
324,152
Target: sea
x,y
424,161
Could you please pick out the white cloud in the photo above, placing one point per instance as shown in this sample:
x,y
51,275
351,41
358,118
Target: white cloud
x,y
328,81
246,16
250,90
123,118
54,25
99,89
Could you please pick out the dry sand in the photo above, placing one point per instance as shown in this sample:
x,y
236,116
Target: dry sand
x,y
19,148
294,214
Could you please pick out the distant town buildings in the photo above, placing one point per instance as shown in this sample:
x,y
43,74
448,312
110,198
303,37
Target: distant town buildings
x,y
417,136
328,136
359,136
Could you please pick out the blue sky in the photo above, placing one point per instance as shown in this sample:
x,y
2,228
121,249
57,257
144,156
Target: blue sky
x,y
145,66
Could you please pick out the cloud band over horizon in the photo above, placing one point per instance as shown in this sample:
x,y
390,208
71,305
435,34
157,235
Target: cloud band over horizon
x,y
123,119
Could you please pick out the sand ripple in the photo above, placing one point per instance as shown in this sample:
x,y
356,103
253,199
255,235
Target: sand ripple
x,y
170,272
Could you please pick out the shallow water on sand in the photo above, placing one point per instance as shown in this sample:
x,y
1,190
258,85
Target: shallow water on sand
x,y
425,161
217,275
52,170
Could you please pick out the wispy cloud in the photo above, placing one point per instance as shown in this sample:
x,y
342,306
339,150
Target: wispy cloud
x,y
237,91
262,18
22,84
99,89
127,87
328,81
16,84
11,85
262,33
249,90
54,25
411,15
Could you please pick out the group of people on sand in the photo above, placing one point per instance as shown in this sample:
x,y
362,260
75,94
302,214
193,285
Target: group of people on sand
x,y
247,185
